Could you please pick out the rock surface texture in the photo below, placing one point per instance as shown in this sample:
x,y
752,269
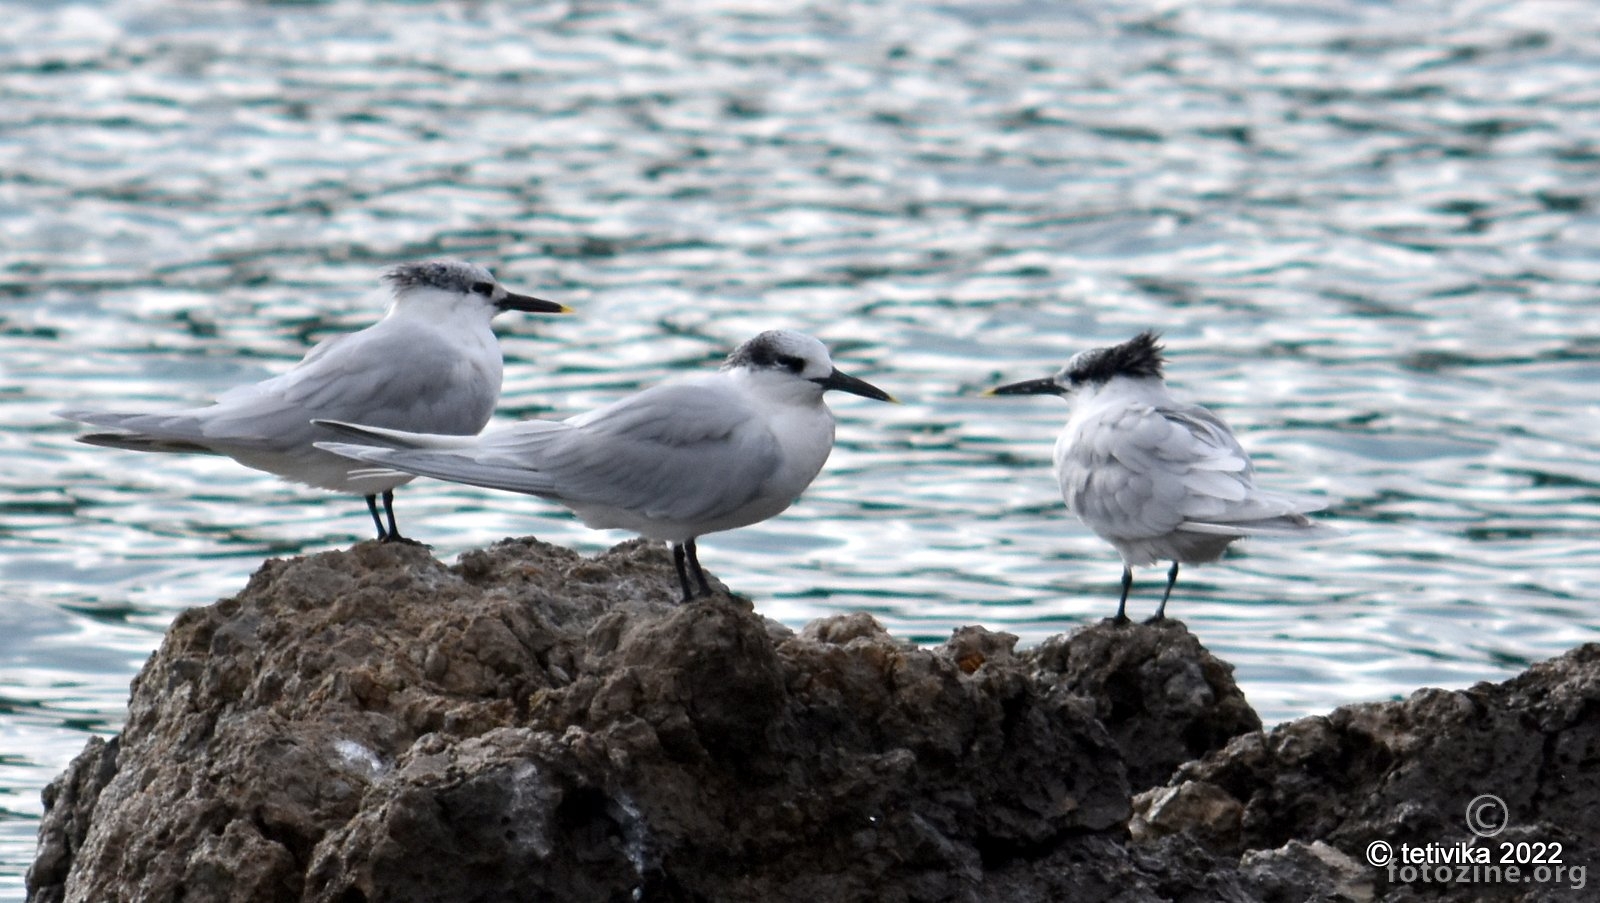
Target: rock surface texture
x,y
528,724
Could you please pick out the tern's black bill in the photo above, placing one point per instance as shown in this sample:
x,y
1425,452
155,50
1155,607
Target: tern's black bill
x,y
531,305
844,382
1043,386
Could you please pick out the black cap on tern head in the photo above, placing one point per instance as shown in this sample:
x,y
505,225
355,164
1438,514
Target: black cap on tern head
x,y
461,276
802,355
449,275
1138,357
779,349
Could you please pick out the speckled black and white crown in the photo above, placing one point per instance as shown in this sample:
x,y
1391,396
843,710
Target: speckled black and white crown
x,y
777,349
449,275
1139,356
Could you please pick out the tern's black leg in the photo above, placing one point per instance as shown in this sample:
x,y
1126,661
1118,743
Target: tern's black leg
x,y
1122,606
678,556
388,508
687,558
372,505
1172,578
694,564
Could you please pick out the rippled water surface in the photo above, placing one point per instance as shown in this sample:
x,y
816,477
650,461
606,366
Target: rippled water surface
x,y
1367,229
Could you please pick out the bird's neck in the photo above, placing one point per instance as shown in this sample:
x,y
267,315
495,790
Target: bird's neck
x,y
1150,390
775,389
437,307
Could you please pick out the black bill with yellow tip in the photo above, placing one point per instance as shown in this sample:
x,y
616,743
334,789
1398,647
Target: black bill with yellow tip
x,y
844,382
531,304
1043,386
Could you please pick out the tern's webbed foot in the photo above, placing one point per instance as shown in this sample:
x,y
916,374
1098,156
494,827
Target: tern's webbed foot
x,y
403,540
702,593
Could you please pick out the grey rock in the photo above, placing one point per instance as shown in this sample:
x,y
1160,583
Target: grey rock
x,y
1281,874
1405,773
531,724
1164,698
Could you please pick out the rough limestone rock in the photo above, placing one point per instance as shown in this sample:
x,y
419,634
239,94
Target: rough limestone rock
x,y
1406,773
1163,697
529,724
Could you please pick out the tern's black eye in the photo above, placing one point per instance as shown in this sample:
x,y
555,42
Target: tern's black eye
x,y
790,362
483,288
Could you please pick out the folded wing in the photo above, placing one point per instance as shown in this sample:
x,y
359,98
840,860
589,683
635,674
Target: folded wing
x,y
1154,470
680,452
441,391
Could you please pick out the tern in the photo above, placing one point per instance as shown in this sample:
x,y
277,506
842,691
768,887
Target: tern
x,y
672,463
432,364
1158,479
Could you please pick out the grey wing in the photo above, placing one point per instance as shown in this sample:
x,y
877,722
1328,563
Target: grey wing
x,y
1222,495
1145,471
389,377
1112,478
396,374
687,451
677,452
499,460
176,431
